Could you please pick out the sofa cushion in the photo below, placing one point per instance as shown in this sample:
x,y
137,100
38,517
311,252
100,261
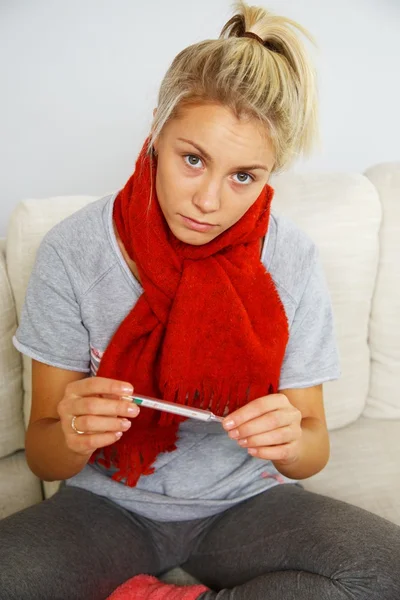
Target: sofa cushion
x,y
20,487
363,468
342,214
11,398
384,334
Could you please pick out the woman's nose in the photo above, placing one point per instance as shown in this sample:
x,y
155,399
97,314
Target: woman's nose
x,y
207,197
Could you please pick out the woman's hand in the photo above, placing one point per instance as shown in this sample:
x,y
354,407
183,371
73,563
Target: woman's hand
x,y
99,410
270,427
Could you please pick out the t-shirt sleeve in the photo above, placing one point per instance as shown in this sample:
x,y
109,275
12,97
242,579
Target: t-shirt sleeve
x,y
311,356
51,328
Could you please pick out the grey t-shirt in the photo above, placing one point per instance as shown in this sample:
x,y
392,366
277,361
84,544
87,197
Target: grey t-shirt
x,y
81,289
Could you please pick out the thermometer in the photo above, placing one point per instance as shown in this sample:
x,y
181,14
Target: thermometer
x,y
172,407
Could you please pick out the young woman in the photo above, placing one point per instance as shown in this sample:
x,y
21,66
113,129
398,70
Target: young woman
x,y
184,286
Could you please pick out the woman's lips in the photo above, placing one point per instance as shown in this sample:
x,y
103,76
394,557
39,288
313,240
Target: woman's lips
x,y
196,226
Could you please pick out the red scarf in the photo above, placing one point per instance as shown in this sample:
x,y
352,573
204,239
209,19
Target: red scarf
x,y
209,330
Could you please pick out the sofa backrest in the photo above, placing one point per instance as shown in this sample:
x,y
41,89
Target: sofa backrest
x,y
29,222
384,333
342,213
11,397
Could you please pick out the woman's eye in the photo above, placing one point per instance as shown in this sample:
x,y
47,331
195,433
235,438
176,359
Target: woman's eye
x,y
246,178
192,158
194,161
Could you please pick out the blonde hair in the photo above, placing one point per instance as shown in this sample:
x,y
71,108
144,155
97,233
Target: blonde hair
x,y
273,82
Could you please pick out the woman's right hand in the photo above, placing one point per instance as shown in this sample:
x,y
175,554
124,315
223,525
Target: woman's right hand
x,y
99,410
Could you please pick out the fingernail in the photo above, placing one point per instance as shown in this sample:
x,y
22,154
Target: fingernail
x,y
133,410
118,434
234,434
229,424
242,442
127,389
252,451
125,423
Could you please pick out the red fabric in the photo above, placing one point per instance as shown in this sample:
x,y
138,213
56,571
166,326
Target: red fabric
x,y
209,330
146,587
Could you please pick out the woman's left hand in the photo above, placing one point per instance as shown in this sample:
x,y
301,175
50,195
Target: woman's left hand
x,y
269,427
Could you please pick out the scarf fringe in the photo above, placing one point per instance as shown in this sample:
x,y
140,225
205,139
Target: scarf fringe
x,y
135,460
219,398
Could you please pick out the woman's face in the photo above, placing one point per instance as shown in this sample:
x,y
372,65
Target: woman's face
x,y
211,168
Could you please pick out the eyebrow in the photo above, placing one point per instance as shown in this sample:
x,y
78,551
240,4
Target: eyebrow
x,y
208,157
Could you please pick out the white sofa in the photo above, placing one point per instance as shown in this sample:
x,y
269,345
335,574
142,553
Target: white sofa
x,y
355,221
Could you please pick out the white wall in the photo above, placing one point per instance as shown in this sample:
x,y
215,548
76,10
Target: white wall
x,y
79,80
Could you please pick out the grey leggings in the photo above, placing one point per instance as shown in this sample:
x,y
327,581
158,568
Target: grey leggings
x,y
284,544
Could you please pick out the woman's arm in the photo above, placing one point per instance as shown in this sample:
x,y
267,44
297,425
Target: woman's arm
x,y
47,454
315,445
53,449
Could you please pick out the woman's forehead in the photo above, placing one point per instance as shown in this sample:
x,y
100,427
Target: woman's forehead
x,y
215,128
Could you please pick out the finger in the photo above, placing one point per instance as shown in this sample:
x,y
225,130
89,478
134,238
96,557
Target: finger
x,y
102,406
254,409
86,444
262,424
283,435
281,452
95,424
99,385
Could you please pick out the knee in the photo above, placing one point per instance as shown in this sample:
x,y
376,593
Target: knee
x,y
376,579
366,550
385,586
383,557
388,576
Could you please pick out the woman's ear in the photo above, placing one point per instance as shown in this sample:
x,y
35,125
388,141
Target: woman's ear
x,y
155,142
